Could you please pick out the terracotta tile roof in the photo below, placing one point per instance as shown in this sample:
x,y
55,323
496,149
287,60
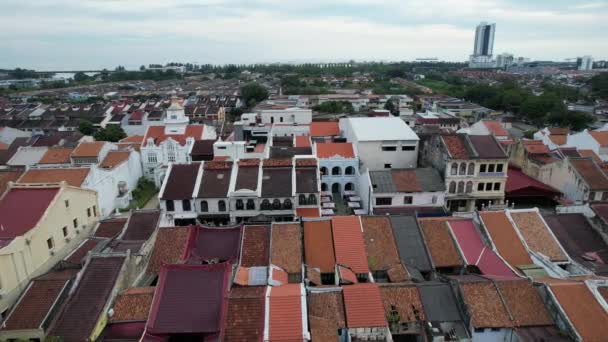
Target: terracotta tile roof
x,y
276,163
601,137
456,146
245,319
558,131
8,176
247,176
210,243
558,139
487,147
380,245
285,313
524,303
535,147
323,129
85,305
325,315
286,247
318,245
158,134
349,245
13,220
114,158
3,146
169,248
256,245
329,150
503,234
133,304
141,225
190,299
590,172
133,139
583,310
74,177
302,141
308,212
88,149
442,248
519,182
77,255
485,305
406,180
590,154
110,228
363,306
405,300
57,155
347,276
306,162
218,165
495,128
35,304
537,235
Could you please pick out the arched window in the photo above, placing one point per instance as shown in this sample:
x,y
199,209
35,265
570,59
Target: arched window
x,y
265,205
452,187
204,206
336,170
323,186
469,187
471,169
349,187
312,199
454,170
276,204
463,169
287,204
302,199
250,204
323,170
221,205
460,187
349,170
239,204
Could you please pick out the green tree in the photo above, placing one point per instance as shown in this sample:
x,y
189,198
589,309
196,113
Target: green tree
x,y
390,106
334,107
112,133
253,93
80,77
86,127
142,68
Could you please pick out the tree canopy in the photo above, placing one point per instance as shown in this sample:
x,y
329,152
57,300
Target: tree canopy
x,y
112,133
253,93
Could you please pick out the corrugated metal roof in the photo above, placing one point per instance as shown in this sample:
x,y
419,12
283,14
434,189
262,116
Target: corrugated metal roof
x,y
430,179
382,181
409,242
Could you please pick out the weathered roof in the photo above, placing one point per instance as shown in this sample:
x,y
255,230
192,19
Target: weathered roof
x,y
169,247
88,149
114,158
27,156
306,180
247,177
363,306
215,182
318,245
524,303
590,172
158,134
537,235
323,129
245,319
223,244
110,228
36,302
407,180
286,247
141,225
276,182
180,182
57,155
405,300
349,245
583,310
601,137
133,304
285,313
410,243
442,247
13,220
73,176
85,306
457,146
487,147
78,254
325,315
190,299
496,128
379,243
439,302
8,176
485,305
256,246
505,238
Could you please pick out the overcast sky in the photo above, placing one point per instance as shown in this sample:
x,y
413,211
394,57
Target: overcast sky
x,y
79,34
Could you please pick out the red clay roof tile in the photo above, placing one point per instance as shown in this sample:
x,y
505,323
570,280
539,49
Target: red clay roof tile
x,y
363,304
349,245
318,245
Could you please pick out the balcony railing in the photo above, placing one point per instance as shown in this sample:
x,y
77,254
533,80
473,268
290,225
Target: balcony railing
x,y
492,174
